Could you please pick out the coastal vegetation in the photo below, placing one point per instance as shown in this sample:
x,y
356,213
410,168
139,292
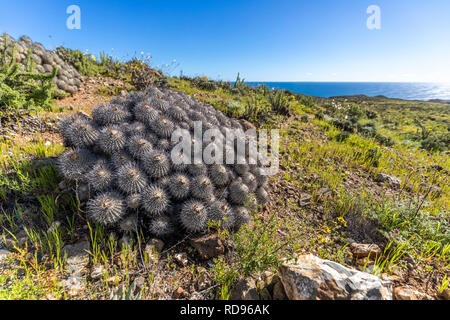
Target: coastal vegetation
x,y
331,191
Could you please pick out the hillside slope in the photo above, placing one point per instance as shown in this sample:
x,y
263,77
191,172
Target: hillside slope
x,y
353,170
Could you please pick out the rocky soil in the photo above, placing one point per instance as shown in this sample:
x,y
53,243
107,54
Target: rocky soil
x,y
182,270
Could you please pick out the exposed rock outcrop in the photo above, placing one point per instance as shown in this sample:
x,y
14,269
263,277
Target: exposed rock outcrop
x,y
68,78
312,278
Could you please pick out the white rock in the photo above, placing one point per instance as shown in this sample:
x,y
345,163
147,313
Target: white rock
x,y
408,293
3,254
312,278
77,257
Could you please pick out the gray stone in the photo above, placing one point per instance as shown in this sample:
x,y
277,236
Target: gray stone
x,y
278,291
139,283
244,289
74,285
408,293
361,250
77,257
45,60
97,273
154,244
312,278
390,179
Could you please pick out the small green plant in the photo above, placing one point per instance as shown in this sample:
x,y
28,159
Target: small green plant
x,y
255,110
373,156
444,284
142,76
278,102
239,83
23,91
433,144
387,262
307,101
342,136
84,63
224,275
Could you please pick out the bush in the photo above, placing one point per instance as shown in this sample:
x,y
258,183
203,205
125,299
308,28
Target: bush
x,y
307,101
408,223
235,109
371,114
355,111
142,76
367,130
278,103
21,92
83,63
342,136
344,124
257,248
387,141
373,156
255,111
319,116
432,144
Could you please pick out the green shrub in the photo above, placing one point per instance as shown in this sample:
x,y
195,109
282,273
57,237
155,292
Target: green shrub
x,y
235,109
409,222
344,125
367,130
255,111
142,76
432,144
83,63
307,101
342,136
373,156
21,92
319,116
355,111
387,141
278,103
371,114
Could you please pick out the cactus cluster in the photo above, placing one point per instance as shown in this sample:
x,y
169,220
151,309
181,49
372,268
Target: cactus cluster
x,y
124,156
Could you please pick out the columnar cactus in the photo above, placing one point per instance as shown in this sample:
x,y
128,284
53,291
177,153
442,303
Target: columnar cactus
x,y
123,155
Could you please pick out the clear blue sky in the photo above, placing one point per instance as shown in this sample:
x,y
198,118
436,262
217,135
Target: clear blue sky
x,y
301,40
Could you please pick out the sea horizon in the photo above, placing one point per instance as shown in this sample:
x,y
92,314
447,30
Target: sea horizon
x,y
422,91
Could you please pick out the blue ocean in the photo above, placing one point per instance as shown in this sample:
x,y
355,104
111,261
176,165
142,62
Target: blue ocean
x,y
400,90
